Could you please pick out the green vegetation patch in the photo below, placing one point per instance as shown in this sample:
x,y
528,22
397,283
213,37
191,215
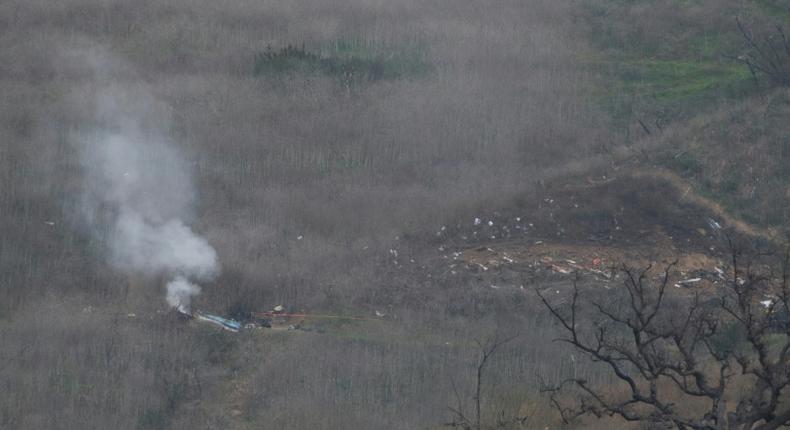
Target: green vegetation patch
x,y
775,8
348,59
677,80
672,84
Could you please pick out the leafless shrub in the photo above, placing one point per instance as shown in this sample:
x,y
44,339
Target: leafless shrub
x,y
766,54
694,363
465,421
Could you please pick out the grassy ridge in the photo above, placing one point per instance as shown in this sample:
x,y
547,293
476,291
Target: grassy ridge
x,y
676,82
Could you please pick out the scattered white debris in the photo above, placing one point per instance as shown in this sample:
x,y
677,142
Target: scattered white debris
x,y
478,221
50,223
767,303
300,237
380,314
507,258
443,228
490,223
131,315
713,224
441,248
279,308
518,219
394,253
538,242
494,287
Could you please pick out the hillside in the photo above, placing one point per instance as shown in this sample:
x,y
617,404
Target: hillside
x,y
404,176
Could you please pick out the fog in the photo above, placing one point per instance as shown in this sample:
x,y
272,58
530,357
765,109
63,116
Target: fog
x,y
331,158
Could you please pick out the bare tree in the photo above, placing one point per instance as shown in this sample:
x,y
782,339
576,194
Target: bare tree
x,y
766,54
695,362
487,350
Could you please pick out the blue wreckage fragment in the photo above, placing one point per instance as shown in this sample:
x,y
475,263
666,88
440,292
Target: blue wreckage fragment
x,y
225,323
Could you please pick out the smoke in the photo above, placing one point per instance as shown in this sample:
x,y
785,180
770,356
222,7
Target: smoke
x,y
180,293
138,193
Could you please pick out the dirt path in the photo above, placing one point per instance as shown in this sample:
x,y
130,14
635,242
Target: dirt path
x,y
690,195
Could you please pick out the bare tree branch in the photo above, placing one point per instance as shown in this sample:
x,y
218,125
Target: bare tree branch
x,y
662,352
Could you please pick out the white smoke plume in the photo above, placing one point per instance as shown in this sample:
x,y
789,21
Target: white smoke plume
x,y
138,191
180,293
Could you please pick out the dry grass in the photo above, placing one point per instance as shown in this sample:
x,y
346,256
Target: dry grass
x,y
305,182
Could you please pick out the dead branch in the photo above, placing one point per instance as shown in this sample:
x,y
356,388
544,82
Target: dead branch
x,y
660,351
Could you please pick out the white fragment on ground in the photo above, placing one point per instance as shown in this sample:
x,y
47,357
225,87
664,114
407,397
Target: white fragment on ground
x,y
50,223
300,237
687,281
477,221
490,223
767,303
559,269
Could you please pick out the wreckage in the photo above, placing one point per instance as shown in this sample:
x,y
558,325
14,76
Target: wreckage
x,y
224,323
